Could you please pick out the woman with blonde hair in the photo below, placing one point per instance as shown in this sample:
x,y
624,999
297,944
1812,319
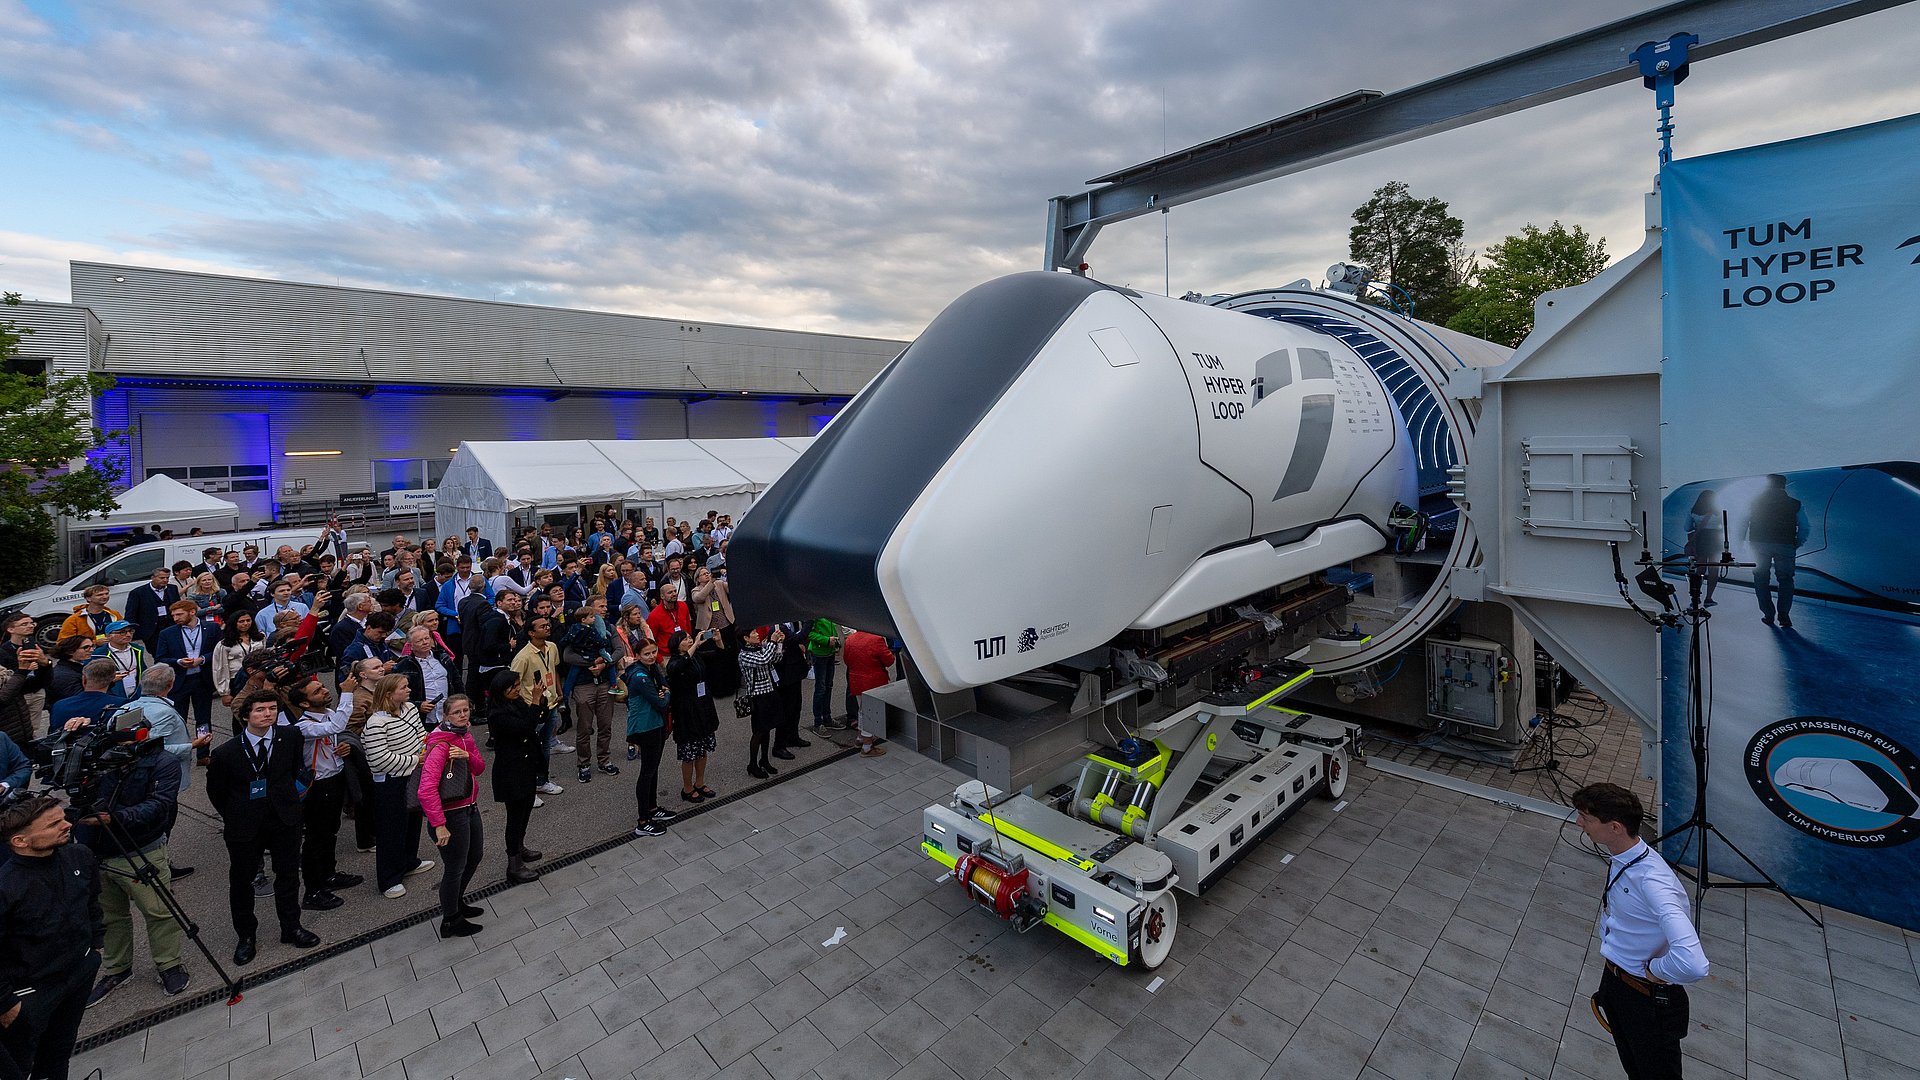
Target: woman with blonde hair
x,y
604,580
395,745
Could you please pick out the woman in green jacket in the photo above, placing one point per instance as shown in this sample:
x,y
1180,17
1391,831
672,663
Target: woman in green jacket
x,y
647,731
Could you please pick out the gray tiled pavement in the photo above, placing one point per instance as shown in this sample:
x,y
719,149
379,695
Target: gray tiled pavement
x,y
1415,933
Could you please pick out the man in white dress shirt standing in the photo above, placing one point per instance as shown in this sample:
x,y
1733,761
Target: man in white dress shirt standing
x,y
1649,943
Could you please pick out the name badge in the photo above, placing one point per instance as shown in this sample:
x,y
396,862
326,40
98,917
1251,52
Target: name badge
x,y
700,690
257,789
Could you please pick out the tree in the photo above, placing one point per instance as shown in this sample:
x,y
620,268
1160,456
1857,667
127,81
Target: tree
x,y
1498,306
43,432
1413,244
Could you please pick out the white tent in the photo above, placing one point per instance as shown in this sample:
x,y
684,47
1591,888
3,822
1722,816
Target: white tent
x,y
162,500
490,485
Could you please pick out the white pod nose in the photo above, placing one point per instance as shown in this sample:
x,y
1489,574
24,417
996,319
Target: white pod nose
x,y
1056,460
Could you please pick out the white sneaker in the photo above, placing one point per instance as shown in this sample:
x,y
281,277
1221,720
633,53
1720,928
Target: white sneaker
x,y
395,893
538,802
560,748
425,865
549,788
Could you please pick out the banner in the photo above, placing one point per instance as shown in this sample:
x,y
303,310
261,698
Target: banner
x,y
1789,392
411,500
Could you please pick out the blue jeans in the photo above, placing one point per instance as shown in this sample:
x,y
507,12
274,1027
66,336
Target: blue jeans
x,y
822,689
1779,559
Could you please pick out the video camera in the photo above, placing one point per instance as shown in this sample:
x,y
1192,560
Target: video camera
x,y
79,762
287,664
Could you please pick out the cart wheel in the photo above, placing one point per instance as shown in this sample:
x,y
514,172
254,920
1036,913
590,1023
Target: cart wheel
x,y
1157,929
1335,766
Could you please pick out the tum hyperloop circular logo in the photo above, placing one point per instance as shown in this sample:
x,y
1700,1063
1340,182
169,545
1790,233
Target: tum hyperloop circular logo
x,y
1840,781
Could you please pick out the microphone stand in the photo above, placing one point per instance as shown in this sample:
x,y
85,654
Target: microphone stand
x,y
1699,826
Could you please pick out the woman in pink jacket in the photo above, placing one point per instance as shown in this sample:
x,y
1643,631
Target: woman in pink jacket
x,y
455,823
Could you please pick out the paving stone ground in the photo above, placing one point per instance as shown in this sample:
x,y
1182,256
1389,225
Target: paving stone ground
x,y
1413,933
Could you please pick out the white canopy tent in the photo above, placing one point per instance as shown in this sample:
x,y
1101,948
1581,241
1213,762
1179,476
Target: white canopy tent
x,y
489,485
162,500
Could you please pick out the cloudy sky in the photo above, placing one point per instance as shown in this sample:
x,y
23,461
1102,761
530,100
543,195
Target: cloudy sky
x,y
838,165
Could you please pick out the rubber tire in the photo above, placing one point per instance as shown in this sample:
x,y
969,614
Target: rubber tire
x,y
46,631
1148,957
1336,767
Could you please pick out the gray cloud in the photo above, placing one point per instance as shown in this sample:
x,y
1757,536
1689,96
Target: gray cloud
x,y
831,164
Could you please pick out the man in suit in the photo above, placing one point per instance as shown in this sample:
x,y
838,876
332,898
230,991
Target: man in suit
x,y
353,619
254,784
147,605
416,597
187,646
477,549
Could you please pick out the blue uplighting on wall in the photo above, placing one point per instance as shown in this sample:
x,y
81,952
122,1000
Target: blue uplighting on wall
x,y
112,411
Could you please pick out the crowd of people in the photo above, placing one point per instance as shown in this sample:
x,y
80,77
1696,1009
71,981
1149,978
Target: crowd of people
x,y
355,681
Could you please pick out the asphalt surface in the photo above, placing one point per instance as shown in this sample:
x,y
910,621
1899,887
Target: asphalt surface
x,y
583,815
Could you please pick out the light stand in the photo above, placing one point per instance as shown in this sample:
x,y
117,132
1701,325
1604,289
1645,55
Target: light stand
x,y
1698,826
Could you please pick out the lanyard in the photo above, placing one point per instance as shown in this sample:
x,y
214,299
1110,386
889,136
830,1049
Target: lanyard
x,y
258,756
1620,873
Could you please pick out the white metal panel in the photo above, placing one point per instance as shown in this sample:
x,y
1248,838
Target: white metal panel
x,y
181,323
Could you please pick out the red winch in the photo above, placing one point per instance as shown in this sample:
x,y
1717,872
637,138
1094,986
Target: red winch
x,y
995,881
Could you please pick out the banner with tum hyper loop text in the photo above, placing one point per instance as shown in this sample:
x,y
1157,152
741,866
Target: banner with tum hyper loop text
x,y
1791,395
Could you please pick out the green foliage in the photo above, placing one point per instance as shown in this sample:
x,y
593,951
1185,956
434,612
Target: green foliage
x,y
43,436
1498,306
1413,244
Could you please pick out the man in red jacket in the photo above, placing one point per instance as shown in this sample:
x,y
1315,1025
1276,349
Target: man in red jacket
x,y
869,664
669,614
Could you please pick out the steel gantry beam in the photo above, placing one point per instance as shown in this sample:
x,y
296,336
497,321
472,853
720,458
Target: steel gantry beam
x,y
1369,120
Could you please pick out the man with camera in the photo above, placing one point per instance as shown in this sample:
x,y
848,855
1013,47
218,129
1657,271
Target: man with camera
x,y
51,931
96,699
126,827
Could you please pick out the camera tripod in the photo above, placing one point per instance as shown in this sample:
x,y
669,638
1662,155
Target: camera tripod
x,y
146,873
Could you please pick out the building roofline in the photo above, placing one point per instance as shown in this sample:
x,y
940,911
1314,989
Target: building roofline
x,y
468,300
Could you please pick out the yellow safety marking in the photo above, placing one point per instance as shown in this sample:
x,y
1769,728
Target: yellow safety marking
x,y
1104,948
1281,689
1040,844
937,855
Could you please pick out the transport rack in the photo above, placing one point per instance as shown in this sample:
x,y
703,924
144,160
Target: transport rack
x,y
1174,806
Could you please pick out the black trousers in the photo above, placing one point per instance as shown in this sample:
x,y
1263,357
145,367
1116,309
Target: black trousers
x,y
786,729
519,812
366,807
282,841
1647,1029
322,810
39,1042
461,857
193,700
646,788
396,829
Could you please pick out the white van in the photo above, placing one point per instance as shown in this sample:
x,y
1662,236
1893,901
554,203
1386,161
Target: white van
x,y
51,604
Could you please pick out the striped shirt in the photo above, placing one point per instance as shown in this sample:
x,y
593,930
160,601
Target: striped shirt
x,y
395,744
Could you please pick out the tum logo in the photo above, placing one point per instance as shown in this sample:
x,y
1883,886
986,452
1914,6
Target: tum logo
x,y
988,648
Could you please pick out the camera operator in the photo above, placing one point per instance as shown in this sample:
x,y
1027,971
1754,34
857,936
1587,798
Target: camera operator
x,y
253,782
51,931
133,815
96,699
16,769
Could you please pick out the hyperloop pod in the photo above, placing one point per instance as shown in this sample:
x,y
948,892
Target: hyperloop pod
x,y
1055,460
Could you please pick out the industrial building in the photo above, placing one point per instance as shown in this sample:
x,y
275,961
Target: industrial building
x,y
284,396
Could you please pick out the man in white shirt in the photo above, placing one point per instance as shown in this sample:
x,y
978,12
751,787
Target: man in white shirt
x,y
321,723
1649,943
